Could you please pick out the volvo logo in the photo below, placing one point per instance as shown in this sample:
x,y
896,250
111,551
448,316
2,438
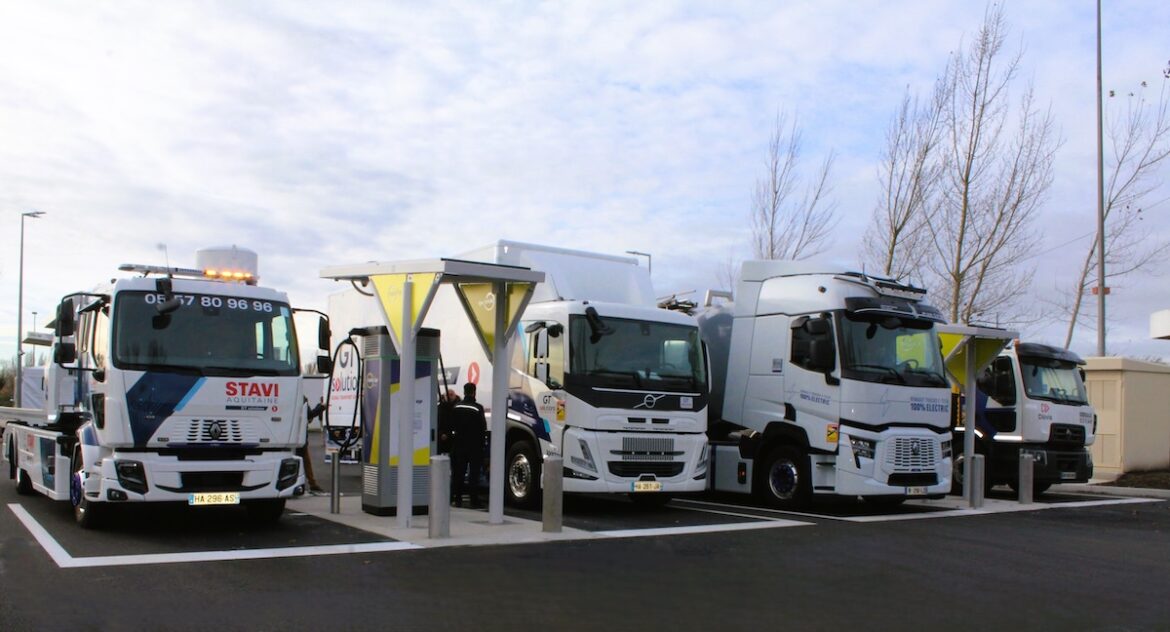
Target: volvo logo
x,y
649,400
216,431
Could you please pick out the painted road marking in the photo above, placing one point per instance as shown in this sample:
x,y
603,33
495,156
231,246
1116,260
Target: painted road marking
x,y
764,523
993,507
64,560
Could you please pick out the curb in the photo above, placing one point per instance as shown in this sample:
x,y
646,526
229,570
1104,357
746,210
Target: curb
x,y
1110,490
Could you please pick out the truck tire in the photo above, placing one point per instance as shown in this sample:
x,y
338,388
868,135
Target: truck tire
x,y
522,475
783,480
266,511
87,514
957,477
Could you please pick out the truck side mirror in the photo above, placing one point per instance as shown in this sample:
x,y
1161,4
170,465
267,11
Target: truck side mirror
x,y
817,326
324,365
820,355
323,336
64,353
542,372
66,319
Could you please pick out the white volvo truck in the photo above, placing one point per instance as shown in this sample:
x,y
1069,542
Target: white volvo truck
x,y
599,375
1032,402
176,385
827,383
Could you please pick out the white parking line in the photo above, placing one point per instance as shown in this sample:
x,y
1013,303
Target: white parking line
x,y
992,506
764,523
64,560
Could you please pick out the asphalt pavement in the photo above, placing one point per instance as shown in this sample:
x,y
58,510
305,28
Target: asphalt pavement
x,y
1074,561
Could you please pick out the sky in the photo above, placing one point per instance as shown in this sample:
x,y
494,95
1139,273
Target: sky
x,y
330,133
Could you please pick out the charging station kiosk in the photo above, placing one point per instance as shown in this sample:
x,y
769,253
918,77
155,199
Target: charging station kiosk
x,y
381,396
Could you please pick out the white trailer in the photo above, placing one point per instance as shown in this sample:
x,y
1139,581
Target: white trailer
x,y
1031,401
828,383
600,375
183,386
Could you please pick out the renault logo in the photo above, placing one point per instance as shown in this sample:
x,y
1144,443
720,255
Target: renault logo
x,y
916,450
649,400
216,431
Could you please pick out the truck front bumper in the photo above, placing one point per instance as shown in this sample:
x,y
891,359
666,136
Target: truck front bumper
x,y
147,477
611,462
895,462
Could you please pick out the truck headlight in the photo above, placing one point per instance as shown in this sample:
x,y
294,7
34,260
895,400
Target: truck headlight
x,y
586,463
946,449
862,448
290,469
131,476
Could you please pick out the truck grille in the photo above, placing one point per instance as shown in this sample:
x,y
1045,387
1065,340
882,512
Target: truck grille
x,y
1064,433
629,469
647,449
912,454
215,431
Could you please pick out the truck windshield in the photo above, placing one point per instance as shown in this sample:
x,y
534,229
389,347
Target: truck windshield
x,y
207,334
636,354
1053,380
890,349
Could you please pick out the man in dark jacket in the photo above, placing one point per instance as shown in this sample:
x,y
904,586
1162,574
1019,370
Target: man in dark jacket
x,y
469,428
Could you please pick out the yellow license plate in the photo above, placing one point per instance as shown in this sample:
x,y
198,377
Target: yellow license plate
x,y
647,486
214,498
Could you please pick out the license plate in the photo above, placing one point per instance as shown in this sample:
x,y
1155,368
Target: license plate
x,y
915,491
1068,475
214,498
647,486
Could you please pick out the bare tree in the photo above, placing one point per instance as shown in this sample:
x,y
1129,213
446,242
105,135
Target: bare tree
x,y
896,242
993,181
783,226
1139,142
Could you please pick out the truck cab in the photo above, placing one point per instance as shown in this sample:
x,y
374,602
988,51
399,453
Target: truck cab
x,y
1032,401
833,383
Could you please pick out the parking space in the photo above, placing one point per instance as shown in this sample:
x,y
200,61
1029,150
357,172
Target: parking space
x,y
140,534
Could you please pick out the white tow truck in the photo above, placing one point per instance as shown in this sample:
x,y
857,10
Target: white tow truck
x,y
826,383
600,376
176,385
1031,401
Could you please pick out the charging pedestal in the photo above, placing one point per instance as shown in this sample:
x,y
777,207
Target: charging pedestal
x,y
381,396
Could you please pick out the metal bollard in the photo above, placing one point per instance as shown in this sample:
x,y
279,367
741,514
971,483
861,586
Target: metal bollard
x,y
335,484
554,474
977,474
1027,477
439,524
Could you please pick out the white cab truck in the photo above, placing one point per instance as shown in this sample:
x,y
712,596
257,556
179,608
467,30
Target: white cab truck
x,y
1031,401
828,383
600,375
176,385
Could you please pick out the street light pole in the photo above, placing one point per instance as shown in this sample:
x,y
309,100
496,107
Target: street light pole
x,y
649,263
19,386
1101,289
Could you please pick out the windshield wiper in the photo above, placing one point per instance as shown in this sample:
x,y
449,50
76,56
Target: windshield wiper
x,y
880,367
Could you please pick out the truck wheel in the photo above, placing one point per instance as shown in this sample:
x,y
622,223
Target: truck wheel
x,y
86,513
522,487
957,477
265,511
23,482
783,480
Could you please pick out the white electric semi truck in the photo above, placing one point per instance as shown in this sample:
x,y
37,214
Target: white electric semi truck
x,y
600,375
175,385
1031,402
826,383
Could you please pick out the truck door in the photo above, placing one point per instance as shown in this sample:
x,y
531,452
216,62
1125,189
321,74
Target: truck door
x,y
813,384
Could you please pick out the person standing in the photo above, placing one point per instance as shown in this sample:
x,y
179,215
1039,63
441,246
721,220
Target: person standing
x,y
469,427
